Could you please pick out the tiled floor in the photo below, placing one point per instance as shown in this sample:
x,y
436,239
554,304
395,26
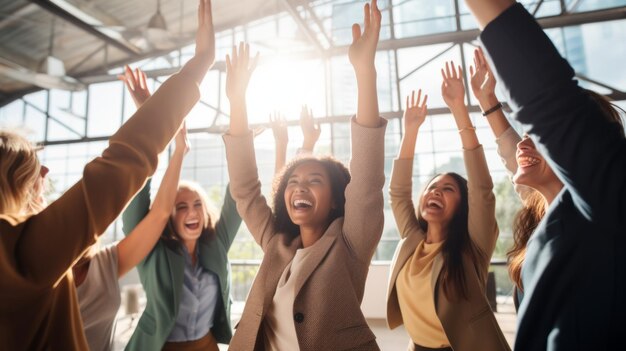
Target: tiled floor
x,y
388,340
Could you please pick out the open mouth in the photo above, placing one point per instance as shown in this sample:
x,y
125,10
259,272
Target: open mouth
x,y
193,224
527,161
434,204
301,204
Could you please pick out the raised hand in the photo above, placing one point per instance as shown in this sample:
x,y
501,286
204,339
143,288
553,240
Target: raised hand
x,y
135,82
452,88
363,48
415,112
483,81
205,35
182,143
239,69
310,131
279,128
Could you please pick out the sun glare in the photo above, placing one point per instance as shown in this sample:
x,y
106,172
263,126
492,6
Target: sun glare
x,y
285,85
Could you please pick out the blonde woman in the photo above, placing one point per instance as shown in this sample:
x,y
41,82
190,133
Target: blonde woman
x,y
38,305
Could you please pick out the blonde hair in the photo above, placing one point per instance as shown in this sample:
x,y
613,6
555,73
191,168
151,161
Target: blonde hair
x,y
209,213
19,170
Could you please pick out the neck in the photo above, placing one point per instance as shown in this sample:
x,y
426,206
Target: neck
x,y
191,249
437,232
310,235
550,190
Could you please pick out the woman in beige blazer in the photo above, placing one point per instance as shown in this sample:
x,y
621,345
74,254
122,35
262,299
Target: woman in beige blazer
x,y
38,305
322,233
439,270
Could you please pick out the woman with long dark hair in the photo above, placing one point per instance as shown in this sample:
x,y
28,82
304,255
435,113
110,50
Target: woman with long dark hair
x,y
439,271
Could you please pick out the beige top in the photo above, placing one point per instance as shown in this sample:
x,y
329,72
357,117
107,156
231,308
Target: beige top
x,y
280,332
415,296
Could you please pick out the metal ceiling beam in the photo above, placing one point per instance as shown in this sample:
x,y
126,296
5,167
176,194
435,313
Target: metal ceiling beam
x,y
88,23
465,36
16,16
291,9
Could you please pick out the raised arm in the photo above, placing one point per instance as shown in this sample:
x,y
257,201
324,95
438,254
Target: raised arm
x,y
245,186
136,246
364,219
362,55
51,241
310,131
453,92
567,125
281,139
401,184
486,11
483,83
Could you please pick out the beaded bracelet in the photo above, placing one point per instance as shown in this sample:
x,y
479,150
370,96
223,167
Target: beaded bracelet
x,y
493,109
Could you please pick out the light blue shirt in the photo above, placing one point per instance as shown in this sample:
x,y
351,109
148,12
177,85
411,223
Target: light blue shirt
x,y
197,302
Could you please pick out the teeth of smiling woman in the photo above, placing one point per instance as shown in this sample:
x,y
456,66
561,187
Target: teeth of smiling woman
x,y
527,161
195,221
434,202
301,202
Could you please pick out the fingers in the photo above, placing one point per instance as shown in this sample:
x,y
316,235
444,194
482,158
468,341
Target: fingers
x,y
419,96
424,106
407,103
376,13
460,73
356,33
366,17
201,13
209,14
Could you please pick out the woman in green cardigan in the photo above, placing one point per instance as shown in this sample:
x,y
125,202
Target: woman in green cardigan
x,y
186,276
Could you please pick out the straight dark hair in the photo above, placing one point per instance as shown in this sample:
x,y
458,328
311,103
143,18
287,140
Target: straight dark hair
x,y
458,242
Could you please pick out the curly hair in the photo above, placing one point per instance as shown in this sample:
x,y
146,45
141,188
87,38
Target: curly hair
x,y
339,177
457,243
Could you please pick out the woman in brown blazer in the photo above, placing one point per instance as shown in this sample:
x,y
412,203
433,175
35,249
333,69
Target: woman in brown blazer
x,y
439,270
322,233
38,305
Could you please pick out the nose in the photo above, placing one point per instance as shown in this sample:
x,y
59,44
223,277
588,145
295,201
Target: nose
x,y
300,188
436,191
525,144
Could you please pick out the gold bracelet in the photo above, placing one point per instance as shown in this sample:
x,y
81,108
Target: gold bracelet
x,y
467,128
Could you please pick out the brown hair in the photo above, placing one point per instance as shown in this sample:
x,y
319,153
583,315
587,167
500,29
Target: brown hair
x,y
19,171
455,245
524,224
339,177
171,237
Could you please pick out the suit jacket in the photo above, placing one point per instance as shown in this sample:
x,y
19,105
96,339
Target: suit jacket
x,y
38,305
162,274
574,276
327,313
468,323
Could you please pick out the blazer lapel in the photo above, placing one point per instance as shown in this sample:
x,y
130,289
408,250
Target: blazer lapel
x,y
319,251
176,263
407,248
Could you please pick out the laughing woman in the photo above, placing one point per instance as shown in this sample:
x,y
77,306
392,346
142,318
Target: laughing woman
x,y
439,271
322,233
186,275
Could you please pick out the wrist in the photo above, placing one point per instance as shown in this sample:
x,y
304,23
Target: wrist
x,y
487,101
308,144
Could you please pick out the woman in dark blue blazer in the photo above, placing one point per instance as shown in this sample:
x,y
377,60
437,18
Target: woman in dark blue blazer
x,y
573,278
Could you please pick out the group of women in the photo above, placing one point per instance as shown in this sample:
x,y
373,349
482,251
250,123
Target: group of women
x,y
320,229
